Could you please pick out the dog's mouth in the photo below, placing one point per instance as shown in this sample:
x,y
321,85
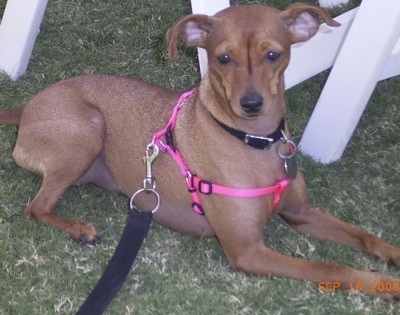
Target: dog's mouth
x,y
251,115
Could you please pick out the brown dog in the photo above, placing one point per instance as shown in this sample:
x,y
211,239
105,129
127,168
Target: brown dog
x,y
95,128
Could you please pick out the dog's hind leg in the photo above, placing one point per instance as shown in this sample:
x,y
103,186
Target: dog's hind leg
x,y
41,208
62,150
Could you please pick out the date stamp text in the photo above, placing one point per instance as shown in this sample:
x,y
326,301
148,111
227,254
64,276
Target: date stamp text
x,y
373,287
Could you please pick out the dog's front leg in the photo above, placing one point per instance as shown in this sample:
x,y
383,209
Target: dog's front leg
x,y
240,230
305,219
325,227
257,259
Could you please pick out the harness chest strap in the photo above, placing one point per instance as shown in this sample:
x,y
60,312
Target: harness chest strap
x,y
195,184
207,188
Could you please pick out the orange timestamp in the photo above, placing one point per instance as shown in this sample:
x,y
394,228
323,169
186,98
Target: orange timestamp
x,y
374,287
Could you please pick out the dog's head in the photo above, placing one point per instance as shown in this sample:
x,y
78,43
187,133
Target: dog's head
x,y
248,49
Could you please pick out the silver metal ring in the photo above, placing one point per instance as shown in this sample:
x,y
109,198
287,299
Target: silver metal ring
x,y
147,191
288,155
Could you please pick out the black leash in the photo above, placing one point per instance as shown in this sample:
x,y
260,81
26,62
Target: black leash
x,y
135,231
114,275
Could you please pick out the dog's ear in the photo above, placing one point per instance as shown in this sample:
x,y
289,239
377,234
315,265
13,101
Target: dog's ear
x,y
193,29
303,20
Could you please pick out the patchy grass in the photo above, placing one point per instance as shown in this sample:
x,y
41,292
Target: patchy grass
x,y
44,272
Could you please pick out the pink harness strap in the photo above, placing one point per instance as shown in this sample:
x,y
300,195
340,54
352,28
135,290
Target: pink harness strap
x,y
195,184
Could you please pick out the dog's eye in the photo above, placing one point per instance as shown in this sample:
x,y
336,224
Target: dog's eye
x,y
224,59
273,56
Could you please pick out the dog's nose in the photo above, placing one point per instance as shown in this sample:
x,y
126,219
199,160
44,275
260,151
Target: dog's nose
x,y
251,103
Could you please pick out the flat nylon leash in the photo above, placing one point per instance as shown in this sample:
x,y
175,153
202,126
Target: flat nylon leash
x,y
114,275
135,231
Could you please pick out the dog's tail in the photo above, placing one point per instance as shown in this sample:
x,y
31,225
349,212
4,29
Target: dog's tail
x,y
10,116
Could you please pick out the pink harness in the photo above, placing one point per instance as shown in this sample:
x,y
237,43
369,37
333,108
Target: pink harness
x,y
195,184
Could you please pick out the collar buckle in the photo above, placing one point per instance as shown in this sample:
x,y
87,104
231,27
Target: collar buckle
x,y
258,141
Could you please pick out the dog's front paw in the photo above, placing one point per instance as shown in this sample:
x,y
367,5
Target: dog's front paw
x,y
83,233
388,253
380,285
394,259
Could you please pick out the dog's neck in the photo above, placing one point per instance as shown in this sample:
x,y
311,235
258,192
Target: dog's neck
x,y
263,124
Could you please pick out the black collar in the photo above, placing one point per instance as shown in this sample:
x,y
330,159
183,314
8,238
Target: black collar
x,y
255,141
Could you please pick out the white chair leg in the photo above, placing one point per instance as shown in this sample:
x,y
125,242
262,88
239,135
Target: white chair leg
x,y
357,69
18,31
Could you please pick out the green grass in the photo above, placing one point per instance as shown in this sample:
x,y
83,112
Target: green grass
x,y
44,272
